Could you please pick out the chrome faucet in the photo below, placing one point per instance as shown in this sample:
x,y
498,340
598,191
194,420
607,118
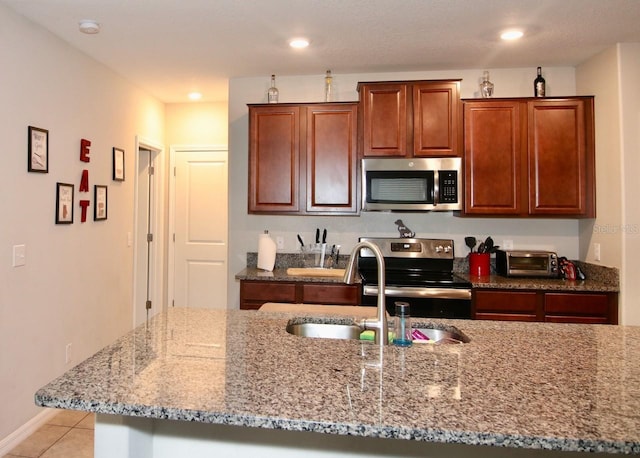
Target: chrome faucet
x,y
378,324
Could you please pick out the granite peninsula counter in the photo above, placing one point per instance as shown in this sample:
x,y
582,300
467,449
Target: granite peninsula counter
x,y
193,379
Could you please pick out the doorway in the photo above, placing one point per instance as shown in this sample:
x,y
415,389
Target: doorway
x,y
198,227
148,234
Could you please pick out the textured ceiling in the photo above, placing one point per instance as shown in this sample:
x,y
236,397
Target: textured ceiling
x,y
170,47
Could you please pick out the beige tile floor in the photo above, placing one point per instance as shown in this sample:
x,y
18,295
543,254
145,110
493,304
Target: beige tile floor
x,y
69,434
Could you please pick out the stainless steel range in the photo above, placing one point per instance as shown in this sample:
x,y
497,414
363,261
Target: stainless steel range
x,y
418,271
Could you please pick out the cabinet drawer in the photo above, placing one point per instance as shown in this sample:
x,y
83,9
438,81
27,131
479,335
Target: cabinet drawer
x,y
505,316
516,302
269,291
576,304
323,293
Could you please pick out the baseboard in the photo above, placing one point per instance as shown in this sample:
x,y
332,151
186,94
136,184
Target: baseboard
x,y
12,440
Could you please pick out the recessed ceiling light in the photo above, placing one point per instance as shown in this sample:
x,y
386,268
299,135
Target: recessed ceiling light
x,y
511,34
195,95
89,26
299,43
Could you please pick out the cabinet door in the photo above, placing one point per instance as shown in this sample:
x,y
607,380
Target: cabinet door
x,y
274,159
506,305
577,308
328,294
255,293
331,158
436,118
494,152
384,119
561,158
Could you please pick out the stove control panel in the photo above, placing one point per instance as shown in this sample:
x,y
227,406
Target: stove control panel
x,y
411,248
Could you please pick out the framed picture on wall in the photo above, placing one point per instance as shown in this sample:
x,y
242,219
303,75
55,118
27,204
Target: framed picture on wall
x,y
38,152
99,203
118,164
64,203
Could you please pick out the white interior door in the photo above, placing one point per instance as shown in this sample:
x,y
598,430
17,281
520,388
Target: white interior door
x,y
199,204
149,235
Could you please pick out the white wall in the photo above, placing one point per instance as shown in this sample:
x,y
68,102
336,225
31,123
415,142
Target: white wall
x,y
76,286
560,235
630,115
599,76
613,77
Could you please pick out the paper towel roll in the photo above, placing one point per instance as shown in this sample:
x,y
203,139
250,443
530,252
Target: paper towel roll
x,y
266,252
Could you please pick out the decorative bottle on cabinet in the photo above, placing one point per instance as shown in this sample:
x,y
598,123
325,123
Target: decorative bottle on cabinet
x,y
328,94
272,93
486,87
539,84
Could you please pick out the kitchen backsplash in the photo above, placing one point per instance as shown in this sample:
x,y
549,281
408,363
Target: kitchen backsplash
x,y
591,271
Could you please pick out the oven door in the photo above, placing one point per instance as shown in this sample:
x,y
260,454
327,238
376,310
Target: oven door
x,y
425,302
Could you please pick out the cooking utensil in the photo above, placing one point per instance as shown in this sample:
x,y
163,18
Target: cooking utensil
x,y
481,248
301,242
488,245
317,235
324,236
470,242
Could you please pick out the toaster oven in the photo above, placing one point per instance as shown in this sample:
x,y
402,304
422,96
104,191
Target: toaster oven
x,y
527,263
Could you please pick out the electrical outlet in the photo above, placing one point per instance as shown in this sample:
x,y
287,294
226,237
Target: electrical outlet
x,y
507,245
67,354
19,255
280,243
596,252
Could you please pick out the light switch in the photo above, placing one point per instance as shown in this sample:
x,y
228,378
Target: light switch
x,y
19,255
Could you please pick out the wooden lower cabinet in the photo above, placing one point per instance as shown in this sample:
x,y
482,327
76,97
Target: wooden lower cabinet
x,y
559,307
254,293
581,308
506,305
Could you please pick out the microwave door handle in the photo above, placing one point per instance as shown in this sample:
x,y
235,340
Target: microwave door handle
x,y
436,188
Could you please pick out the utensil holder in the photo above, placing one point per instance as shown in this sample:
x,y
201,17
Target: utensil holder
x,y
479,264
314,255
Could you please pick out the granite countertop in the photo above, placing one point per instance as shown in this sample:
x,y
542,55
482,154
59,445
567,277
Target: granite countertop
x,y
532,385
595,284
280,274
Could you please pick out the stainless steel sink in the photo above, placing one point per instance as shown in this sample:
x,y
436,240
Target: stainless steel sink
x,y
436,333
325,330
450,334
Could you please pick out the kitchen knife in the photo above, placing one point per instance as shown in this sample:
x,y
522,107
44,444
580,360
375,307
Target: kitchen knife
x,y
324,236
301,242
317,235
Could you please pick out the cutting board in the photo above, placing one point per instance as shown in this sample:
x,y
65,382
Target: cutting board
x,y
315,272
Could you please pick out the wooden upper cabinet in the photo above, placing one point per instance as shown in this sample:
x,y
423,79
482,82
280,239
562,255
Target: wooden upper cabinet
x,y
436,111
303,158
274,159
410,119
561,157
493,157
384,119
332,158
529,157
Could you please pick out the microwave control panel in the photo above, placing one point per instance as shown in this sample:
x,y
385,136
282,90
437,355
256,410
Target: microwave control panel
x,y
448,186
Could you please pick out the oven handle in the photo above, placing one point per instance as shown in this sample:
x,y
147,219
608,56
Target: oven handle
x,y
418,292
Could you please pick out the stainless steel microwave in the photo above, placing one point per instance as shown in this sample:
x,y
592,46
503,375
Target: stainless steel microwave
x,y
412,184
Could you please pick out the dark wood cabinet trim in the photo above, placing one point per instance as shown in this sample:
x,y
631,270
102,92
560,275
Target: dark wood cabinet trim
x,y
551,306
288,174
547,184
395,123
254,293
